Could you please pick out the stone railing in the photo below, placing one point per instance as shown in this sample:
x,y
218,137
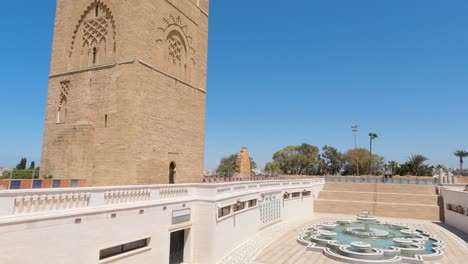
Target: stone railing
x,y
127,196
382,180
247,186
51,202
21,202
173,192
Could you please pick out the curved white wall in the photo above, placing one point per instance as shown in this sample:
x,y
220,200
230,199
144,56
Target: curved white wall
x,y
43,224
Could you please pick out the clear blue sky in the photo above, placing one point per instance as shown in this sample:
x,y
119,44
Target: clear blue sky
x,y
288,72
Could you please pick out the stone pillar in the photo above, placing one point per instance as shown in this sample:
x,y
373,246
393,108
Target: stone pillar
x,y
243,163
450,177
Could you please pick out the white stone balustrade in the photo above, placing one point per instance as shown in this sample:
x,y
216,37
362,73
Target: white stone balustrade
x,y
173,192
126,196
51,202
22,202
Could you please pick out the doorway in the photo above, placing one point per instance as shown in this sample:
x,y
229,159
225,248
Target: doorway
x,y
177,246
172,172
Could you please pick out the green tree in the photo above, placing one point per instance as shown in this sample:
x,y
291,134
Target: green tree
x,y
253,164
332,159
300,160
22,164
415,165
372,136
364,160
273,167
461,154
32,166
393,166
227,166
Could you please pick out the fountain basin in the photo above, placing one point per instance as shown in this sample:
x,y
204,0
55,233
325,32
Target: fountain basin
x,y
403,242
371,233
361,246
327,234
409,232
343,221
329,225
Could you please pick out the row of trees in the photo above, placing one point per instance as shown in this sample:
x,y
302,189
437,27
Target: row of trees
x,y
22,171
306,159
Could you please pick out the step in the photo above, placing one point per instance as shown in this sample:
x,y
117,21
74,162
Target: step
x,y
400,210
380,187
422,199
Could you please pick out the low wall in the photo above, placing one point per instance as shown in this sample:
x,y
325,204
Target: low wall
x,y
15,184
456,208
79,222
381,187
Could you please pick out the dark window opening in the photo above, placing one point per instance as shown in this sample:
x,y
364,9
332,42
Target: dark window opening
x,y
252,203
224,211
105,121
120,249
239,206
97,10
172,172
94,55
296,194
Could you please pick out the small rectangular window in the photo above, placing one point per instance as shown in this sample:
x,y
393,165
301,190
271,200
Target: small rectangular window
x,y
239,207
306,194
296,194
224,211
253,203
120,249
105,121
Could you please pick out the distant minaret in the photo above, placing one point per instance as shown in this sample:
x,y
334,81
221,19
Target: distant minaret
x,y
127,92
243,166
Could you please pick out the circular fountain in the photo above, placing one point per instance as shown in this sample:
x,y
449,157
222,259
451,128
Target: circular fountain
x,y
367,220
367,240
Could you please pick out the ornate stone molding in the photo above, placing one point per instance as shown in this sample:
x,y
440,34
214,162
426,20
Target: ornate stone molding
x,y
97,24
175,39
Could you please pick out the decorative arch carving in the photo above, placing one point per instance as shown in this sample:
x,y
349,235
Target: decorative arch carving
x,y
175,39
94,35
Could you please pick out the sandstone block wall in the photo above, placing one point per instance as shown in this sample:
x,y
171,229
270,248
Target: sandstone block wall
x,y
127,91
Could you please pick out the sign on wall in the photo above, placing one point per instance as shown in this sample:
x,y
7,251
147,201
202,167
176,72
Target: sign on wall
x,y
181,216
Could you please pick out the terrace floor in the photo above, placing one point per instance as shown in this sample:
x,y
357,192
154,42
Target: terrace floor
x,y
277,244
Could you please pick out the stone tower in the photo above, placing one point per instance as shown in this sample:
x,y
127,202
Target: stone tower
x,y
243,163
127,90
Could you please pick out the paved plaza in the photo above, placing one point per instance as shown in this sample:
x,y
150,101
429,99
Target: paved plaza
x,y
277,244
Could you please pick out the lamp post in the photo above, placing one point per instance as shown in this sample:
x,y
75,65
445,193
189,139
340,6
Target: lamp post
x,y
355,130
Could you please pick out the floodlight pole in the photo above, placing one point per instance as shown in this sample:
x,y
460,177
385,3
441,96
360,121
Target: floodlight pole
x,y
355,130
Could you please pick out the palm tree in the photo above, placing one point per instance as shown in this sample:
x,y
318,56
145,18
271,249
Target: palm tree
x,y
461,154
372,136
417,163
393,166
